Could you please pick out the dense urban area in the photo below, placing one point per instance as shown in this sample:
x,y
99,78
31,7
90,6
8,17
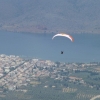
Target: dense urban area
x,y
23,79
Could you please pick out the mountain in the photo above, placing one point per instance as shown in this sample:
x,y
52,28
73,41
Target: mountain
x,y
46,16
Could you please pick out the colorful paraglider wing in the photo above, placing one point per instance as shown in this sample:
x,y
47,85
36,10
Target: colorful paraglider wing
x,y
65,35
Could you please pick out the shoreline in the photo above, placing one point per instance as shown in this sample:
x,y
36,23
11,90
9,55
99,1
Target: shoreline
x,y
47,31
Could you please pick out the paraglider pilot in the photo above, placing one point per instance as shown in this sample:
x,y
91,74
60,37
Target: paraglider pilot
x,y
61,52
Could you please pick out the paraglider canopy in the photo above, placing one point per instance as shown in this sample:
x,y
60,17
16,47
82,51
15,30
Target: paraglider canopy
x,y
65,35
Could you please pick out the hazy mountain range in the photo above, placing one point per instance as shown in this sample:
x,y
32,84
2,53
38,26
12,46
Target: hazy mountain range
x,y
39,16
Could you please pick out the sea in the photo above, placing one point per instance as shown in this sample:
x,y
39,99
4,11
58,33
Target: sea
x,y
84,49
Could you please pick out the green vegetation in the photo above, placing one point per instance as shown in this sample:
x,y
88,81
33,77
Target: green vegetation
x,y
40,92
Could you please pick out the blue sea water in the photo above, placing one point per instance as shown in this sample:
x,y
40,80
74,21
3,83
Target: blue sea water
x,y
85,48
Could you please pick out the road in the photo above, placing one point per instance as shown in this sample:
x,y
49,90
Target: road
x,y
98,96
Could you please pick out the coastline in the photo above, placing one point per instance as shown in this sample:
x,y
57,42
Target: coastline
x,y
45,31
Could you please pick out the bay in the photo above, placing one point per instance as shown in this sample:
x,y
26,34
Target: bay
x,y
85,48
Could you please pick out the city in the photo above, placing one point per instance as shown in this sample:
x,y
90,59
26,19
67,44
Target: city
x,y
16,72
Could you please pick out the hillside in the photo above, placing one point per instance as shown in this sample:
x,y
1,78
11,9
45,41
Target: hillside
x,y
46,16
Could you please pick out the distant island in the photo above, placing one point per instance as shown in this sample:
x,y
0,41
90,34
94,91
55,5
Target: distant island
x,y
42,16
